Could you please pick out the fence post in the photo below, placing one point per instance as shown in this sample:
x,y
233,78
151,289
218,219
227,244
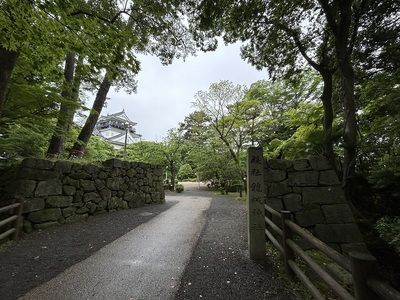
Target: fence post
x,y
255,204
288,253
363,266
17,222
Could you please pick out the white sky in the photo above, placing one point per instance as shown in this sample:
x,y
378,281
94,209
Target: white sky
x,y
165,93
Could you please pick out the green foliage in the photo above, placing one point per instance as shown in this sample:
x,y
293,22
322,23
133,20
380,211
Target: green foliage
x,y
389,230
179,188
185,171
379,146
26,139
143,151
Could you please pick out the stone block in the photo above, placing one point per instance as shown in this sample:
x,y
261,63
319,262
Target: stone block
x,y
145,189
280,164
64,167
49,187
68,211
74,183
309,218
59,201
105,194
328,178
99,183
37,163
338,213
279,189
102,205
275,175
92,197
128,196
305,178
319,163
361,247
78,197
33,204
338,233
292,202
275,203
322,195
27,226
76,218
301,165
113,163
102,175
114,183
45,225
147,199
69,190
22,188
92,207
87,185
123,187
91,169
35,174
115,173
45,215
114,203
77,167
137,200
80,174
131,172
82,210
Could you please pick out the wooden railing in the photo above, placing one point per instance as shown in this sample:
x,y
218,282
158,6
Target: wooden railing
x,y
360,265
14,220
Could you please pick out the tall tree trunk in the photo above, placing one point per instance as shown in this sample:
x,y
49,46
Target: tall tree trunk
x,y
339,16
79,147
326,98
346,71
67,110
8,60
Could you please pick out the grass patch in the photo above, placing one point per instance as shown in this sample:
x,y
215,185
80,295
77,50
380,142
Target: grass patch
x,y
340,275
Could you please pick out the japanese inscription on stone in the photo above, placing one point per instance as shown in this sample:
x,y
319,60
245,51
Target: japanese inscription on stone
x,y
255,202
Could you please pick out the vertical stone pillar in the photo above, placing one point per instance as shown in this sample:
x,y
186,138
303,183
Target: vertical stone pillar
x,y
255,204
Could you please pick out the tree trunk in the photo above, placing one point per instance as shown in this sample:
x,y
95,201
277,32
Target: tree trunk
x,y
339,19
67,110
8,60
347,86
350,127
79,147
326,98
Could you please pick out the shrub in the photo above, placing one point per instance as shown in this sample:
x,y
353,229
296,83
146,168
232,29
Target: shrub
x,y
179,188
389,230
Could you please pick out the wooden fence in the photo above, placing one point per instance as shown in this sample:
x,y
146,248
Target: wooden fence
x,y
360,265
13,220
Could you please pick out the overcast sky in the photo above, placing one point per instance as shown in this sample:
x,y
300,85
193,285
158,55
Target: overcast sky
x,y
165,93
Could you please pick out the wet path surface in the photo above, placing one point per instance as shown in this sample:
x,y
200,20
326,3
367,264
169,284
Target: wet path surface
x,y
192,247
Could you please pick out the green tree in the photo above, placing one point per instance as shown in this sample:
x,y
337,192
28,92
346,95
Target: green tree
x,y
220,106
185,172
283,36
154,27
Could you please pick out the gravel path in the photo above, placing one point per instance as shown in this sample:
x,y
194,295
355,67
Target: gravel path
x,y
218,269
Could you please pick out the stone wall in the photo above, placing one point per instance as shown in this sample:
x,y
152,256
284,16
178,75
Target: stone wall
x,y
311,190
63,192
